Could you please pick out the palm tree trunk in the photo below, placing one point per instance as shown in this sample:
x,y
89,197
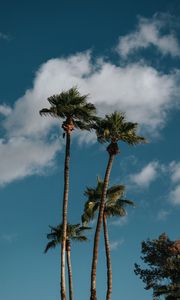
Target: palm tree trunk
x,y
98,228
108,259
64,215
68,252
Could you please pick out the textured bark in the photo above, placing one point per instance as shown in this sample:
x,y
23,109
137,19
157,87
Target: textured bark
x,y
64,215
113,148
68,252
98,228
108,259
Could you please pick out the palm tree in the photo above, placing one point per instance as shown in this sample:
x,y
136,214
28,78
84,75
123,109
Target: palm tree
x,y
73,232
73,107
112,128
114,206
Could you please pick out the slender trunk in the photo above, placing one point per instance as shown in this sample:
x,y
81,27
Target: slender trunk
x,y
64,215
108,259
68,252
98,228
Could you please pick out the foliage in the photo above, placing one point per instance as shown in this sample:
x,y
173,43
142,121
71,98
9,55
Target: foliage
x,y
162,257
114,128
114,206
74,232
73,107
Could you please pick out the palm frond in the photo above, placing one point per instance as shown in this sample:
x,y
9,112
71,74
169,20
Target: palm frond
x,y
89,192
85,219
126,202
82,125
115,203
115,192
81,238
74,232
82,228
114,127
50,245
73,106
90,210
52,112
116,210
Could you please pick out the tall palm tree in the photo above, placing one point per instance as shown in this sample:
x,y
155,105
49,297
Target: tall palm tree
x,y
74,233
112,129
73,107
114,206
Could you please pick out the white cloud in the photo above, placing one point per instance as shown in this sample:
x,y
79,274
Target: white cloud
x,y
21,157
149,33
169,172
121,221
175,195
5,110
147,175
154,169
85,137
163,214
144,93
114,245
141,91
175,171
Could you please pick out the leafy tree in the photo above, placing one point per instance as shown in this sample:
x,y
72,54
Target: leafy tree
x,y
112,129
162,274
78,113
74,233
114,206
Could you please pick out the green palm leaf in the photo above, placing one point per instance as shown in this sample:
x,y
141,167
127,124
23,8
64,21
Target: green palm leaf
x,y
71,105
114,128
50,245
74,232
114,206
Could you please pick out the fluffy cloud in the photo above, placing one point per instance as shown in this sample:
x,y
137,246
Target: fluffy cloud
x,y
140,90
163,214
150,172
147,175
170,172
149,33
120,221
175,195
5,110
21,157
114,245
175,171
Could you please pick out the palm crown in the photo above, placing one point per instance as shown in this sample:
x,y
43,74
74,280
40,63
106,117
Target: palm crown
x,y
114,127
73,107
74,232
114,205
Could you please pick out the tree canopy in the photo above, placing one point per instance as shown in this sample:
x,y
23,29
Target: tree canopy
x,y
73,107
115,203
162,257
114,128
74,232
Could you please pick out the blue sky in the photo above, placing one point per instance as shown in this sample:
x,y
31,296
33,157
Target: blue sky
x,y
126,55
